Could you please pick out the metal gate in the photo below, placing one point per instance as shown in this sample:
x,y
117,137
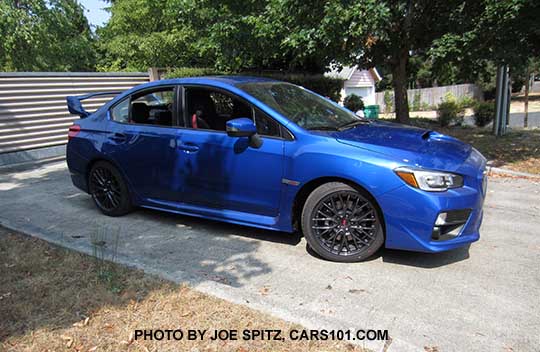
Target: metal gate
x,y
33,111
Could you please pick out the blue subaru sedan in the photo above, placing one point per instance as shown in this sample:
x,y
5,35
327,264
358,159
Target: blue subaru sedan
x,y
269,154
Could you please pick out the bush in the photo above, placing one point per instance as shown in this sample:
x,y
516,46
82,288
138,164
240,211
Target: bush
x,y
417,103
467,102
517,84
449,111
426,107
388,101
181,72
354,103
484,113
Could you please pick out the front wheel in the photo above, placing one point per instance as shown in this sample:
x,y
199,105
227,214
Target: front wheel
x,y
109,190
341,223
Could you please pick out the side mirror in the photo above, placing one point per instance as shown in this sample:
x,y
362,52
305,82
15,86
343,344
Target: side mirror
x,y
241,127
244,127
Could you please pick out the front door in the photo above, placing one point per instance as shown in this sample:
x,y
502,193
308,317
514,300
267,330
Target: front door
x,y
224,172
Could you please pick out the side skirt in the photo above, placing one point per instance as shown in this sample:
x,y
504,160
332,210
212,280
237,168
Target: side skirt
x,y
229,216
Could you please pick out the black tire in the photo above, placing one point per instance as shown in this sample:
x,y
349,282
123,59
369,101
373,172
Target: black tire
x,y
350,232
109,189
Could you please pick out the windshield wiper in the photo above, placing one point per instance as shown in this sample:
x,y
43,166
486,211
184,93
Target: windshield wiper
x,y
352,124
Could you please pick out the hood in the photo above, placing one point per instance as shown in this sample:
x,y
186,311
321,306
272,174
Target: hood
x,y
410,145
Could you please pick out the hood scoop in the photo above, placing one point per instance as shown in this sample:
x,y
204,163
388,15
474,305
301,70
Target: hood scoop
x,y
425,135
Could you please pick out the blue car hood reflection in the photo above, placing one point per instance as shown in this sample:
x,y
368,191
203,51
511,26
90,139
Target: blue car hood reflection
x,y
411,145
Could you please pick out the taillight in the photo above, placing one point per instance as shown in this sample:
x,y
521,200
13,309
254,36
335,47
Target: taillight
x,y
73,131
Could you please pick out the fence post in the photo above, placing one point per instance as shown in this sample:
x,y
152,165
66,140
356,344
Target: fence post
x,y
153,74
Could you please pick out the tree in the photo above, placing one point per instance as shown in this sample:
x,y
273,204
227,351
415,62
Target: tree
x,y
39,35
311,35
369,32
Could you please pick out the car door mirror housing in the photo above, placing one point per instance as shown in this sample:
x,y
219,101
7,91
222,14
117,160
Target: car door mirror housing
x,y
241,127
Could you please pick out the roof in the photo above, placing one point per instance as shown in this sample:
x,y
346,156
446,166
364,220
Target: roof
x,y
347,71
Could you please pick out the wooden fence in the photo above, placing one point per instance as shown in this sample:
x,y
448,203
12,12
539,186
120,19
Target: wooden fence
x,y
431,97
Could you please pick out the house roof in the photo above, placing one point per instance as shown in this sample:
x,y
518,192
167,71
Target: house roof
x,y
347,71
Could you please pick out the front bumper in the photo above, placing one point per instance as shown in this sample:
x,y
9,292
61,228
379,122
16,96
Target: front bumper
x,y
410,215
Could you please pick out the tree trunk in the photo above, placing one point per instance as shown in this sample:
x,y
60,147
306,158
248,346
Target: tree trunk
x,y
399,83
526,108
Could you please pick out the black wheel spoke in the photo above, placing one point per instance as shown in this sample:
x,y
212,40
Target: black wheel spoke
x,y
105,188
345,223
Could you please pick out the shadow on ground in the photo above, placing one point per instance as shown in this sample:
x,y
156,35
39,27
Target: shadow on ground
x,y
414,259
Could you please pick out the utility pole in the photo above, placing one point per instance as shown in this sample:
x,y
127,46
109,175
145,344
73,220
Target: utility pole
x,y
502,101
527,84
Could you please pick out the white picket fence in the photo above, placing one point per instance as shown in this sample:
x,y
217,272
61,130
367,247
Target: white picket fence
x,y
433,96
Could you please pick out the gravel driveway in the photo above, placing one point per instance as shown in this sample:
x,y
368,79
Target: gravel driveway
x,y
482,298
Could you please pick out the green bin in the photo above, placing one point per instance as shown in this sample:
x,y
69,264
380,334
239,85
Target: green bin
x,y
371,111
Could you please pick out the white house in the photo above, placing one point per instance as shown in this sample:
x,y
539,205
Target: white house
x,y
357,81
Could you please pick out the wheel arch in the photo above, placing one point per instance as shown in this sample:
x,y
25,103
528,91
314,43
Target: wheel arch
x,y
304,192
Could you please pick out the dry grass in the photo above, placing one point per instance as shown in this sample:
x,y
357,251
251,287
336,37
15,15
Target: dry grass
x,y
518,150
52,300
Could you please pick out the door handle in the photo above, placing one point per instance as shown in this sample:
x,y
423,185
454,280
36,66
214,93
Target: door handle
x,y
119,137
191,148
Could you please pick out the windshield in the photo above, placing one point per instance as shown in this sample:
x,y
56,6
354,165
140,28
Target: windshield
x,y
299,105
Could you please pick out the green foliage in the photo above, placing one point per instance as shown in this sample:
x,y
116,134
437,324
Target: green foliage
x,y
427,107
467,102
193,72
388,101
416,105
353,102
484,113
449,111
39,35
295,35
325,86
517,83
492,32
105,250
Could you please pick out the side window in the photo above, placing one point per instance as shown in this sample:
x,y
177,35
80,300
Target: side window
x,y
147,108
120,112
153,107
265,125
210,109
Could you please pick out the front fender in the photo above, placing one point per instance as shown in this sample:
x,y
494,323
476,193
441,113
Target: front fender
x,y
323,157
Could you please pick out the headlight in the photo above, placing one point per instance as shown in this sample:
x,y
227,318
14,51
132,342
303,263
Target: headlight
x,y
426,180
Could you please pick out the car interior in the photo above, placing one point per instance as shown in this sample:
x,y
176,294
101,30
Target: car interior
x,y
153,108
208,109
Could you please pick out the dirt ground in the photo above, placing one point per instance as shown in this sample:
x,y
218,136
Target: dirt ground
x,y
54,299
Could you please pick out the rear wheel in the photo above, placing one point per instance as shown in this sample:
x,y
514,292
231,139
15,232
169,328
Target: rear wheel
x,y
109,190
341,223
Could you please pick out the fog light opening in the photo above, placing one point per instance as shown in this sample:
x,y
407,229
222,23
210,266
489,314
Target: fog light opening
x,y
449,224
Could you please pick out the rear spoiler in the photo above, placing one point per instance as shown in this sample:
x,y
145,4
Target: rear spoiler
x,y
75,106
